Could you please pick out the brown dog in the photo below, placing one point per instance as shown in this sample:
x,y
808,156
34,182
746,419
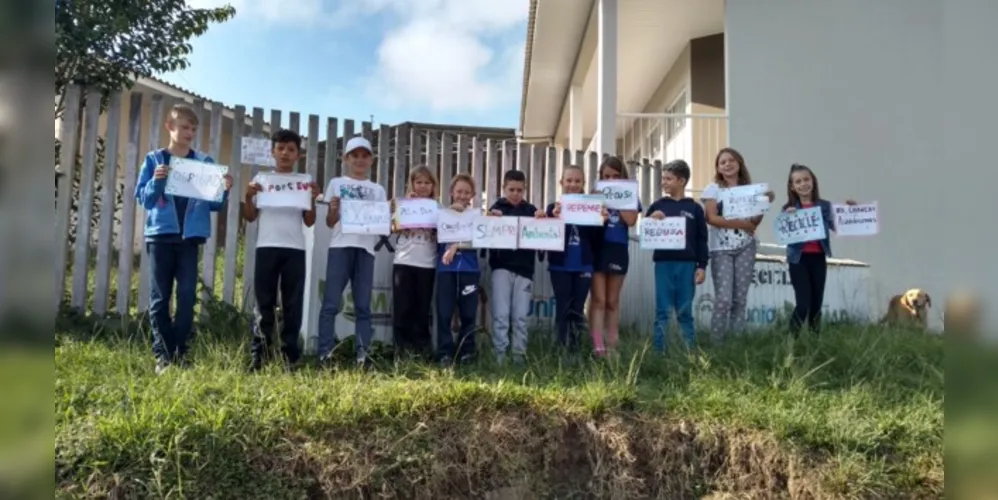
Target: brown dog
x,y
909,309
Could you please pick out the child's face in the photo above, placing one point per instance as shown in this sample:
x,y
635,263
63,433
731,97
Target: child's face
x,y
673,185
572,181
423,187
461,193
513,191
182,131
286,154
728,166
802,183
359,161
609,174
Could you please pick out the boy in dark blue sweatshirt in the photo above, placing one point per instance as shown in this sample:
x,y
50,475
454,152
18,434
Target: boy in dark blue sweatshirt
x,y
512,274
677,272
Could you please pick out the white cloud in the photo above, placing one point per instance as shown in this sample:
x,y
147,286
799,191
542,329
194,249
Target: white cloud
x,y
272,11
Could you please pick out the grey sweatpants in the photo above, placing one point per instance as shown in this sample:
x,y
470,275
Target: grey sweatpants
x,y
732,272
511,296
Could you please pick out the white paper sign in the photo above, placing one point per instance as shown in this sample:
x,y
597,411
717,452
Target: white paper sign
x,y
620,194
456,227
196,179
365,217
856,220
804,225
416,213
744,202
256,151
542,234
285,191
665,234
582,209
496,232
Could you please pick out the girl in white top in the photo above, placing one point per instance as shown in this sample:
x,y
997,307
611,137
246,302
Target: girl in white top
x,y
732,245
414,273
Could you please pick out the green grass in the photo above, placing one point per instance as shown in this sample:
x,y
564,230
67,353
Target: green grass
x,y
857,413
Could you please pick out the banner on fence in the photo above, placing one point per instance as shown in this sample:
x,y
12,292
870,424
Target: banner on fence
x,y
856,220
582,209
744,202
416,213
284,191
196,179
800,226
542,234
619,194
665,234
455,227
495,232
256,151
366,217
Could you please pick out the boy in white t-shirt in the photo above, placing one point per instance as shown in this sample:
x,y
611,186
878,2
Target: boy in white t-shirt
x,y
351,256
280,257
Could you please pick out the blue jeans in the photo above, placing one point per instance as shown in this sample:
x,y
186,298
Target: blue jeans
x,y
675,286
571,288
169,262
456,291
355,265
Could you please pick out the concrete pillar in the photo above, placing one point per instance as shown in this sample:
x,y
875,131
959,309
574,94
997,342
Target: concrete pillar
x,y
606,77
575,118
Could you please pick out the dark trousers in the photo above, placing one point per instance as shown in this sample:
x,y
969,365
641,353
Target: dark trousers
x,y
171,262
808,280
460,291
412,294
278,269
571,288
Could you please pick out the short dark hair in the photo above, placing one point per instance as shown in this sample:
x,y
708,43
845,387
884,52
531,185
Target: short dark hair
x,y
285,135
513,176
679,168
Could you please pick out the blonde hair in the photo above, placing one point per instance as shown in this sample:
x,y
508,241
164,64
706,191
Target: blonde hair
x,y
463,178
423,171
181,110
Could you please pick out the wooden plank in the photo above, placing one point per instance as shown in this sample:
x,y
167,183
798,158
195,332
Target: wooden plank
x,y
509,152
85,201
105,228
312,153
294,124
415,148
535,172
69,126
348,133
551,177
401,139
208,252
446,166
478,170
463,143
492,169
367,132
522,158
128,205
645,172
656,188
592,169
154,127
203,124
249,238
331,162
433,152
232,212
384,155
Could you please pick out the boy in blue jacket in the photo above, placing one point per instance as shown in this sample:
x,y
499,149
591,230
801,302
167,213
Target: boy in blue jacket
x,y
677,272
175,228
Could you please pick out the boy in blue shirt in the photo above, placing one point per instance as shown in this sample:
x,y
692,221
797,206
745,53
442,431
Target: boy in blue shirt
x,y
175,228
677,272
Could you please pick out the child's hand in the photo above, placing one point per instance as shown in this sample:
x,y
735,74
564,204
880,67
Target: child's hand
x,y
316,194
457,207
557,209
790,210
658,215
851,202
540,214
228,182
605,213
700,276
448,256
252,189
160,172
496,213
748,227
771,195
334,204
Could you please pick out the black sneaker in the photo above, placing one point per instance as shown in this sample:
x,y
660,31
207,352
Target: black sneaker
x,y
466,359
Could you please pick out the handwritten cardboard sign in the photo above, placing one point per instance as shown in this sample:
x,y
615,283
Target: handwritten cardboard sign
x,y
619,194
582,209
456,227
804,225
284,191
744,202
542,234
665,234
496,232
416,213
856,220
256,151
365,217
196,179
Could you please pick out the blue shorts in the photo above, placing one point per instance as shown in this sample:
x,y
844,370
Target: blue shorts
x,y
612,258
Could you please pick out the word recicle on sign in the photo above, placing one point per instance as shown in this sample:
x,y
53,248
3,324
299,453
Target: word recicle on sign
x,y
285,191
743,202
416,213
856,220
801,226
619,194
665,234
365,217
582,209
256,151
196,179
496,232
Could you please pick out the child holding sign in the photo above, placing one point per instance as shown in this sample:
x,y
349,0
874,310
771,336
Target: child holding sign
x,y
677,272
175,228
280,257
808,260
732,245
572,270
457,284
351,256
611,266
414,273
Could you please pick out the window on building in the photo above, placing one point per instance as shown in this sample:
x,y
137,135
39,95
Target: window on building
x,y
677,123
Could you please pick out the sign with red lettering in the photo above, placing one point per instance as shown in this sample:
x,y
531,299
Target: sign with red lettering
x,y
856,220
582,209
663,234
284,191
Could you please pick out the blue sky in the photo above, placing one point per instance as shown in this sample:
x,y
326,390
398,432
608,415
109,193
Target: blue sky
x,y
439,61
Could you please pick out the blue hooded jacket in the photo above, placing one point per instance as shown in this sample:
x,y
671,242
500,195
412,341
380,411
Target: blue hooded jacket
x,y
162,210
